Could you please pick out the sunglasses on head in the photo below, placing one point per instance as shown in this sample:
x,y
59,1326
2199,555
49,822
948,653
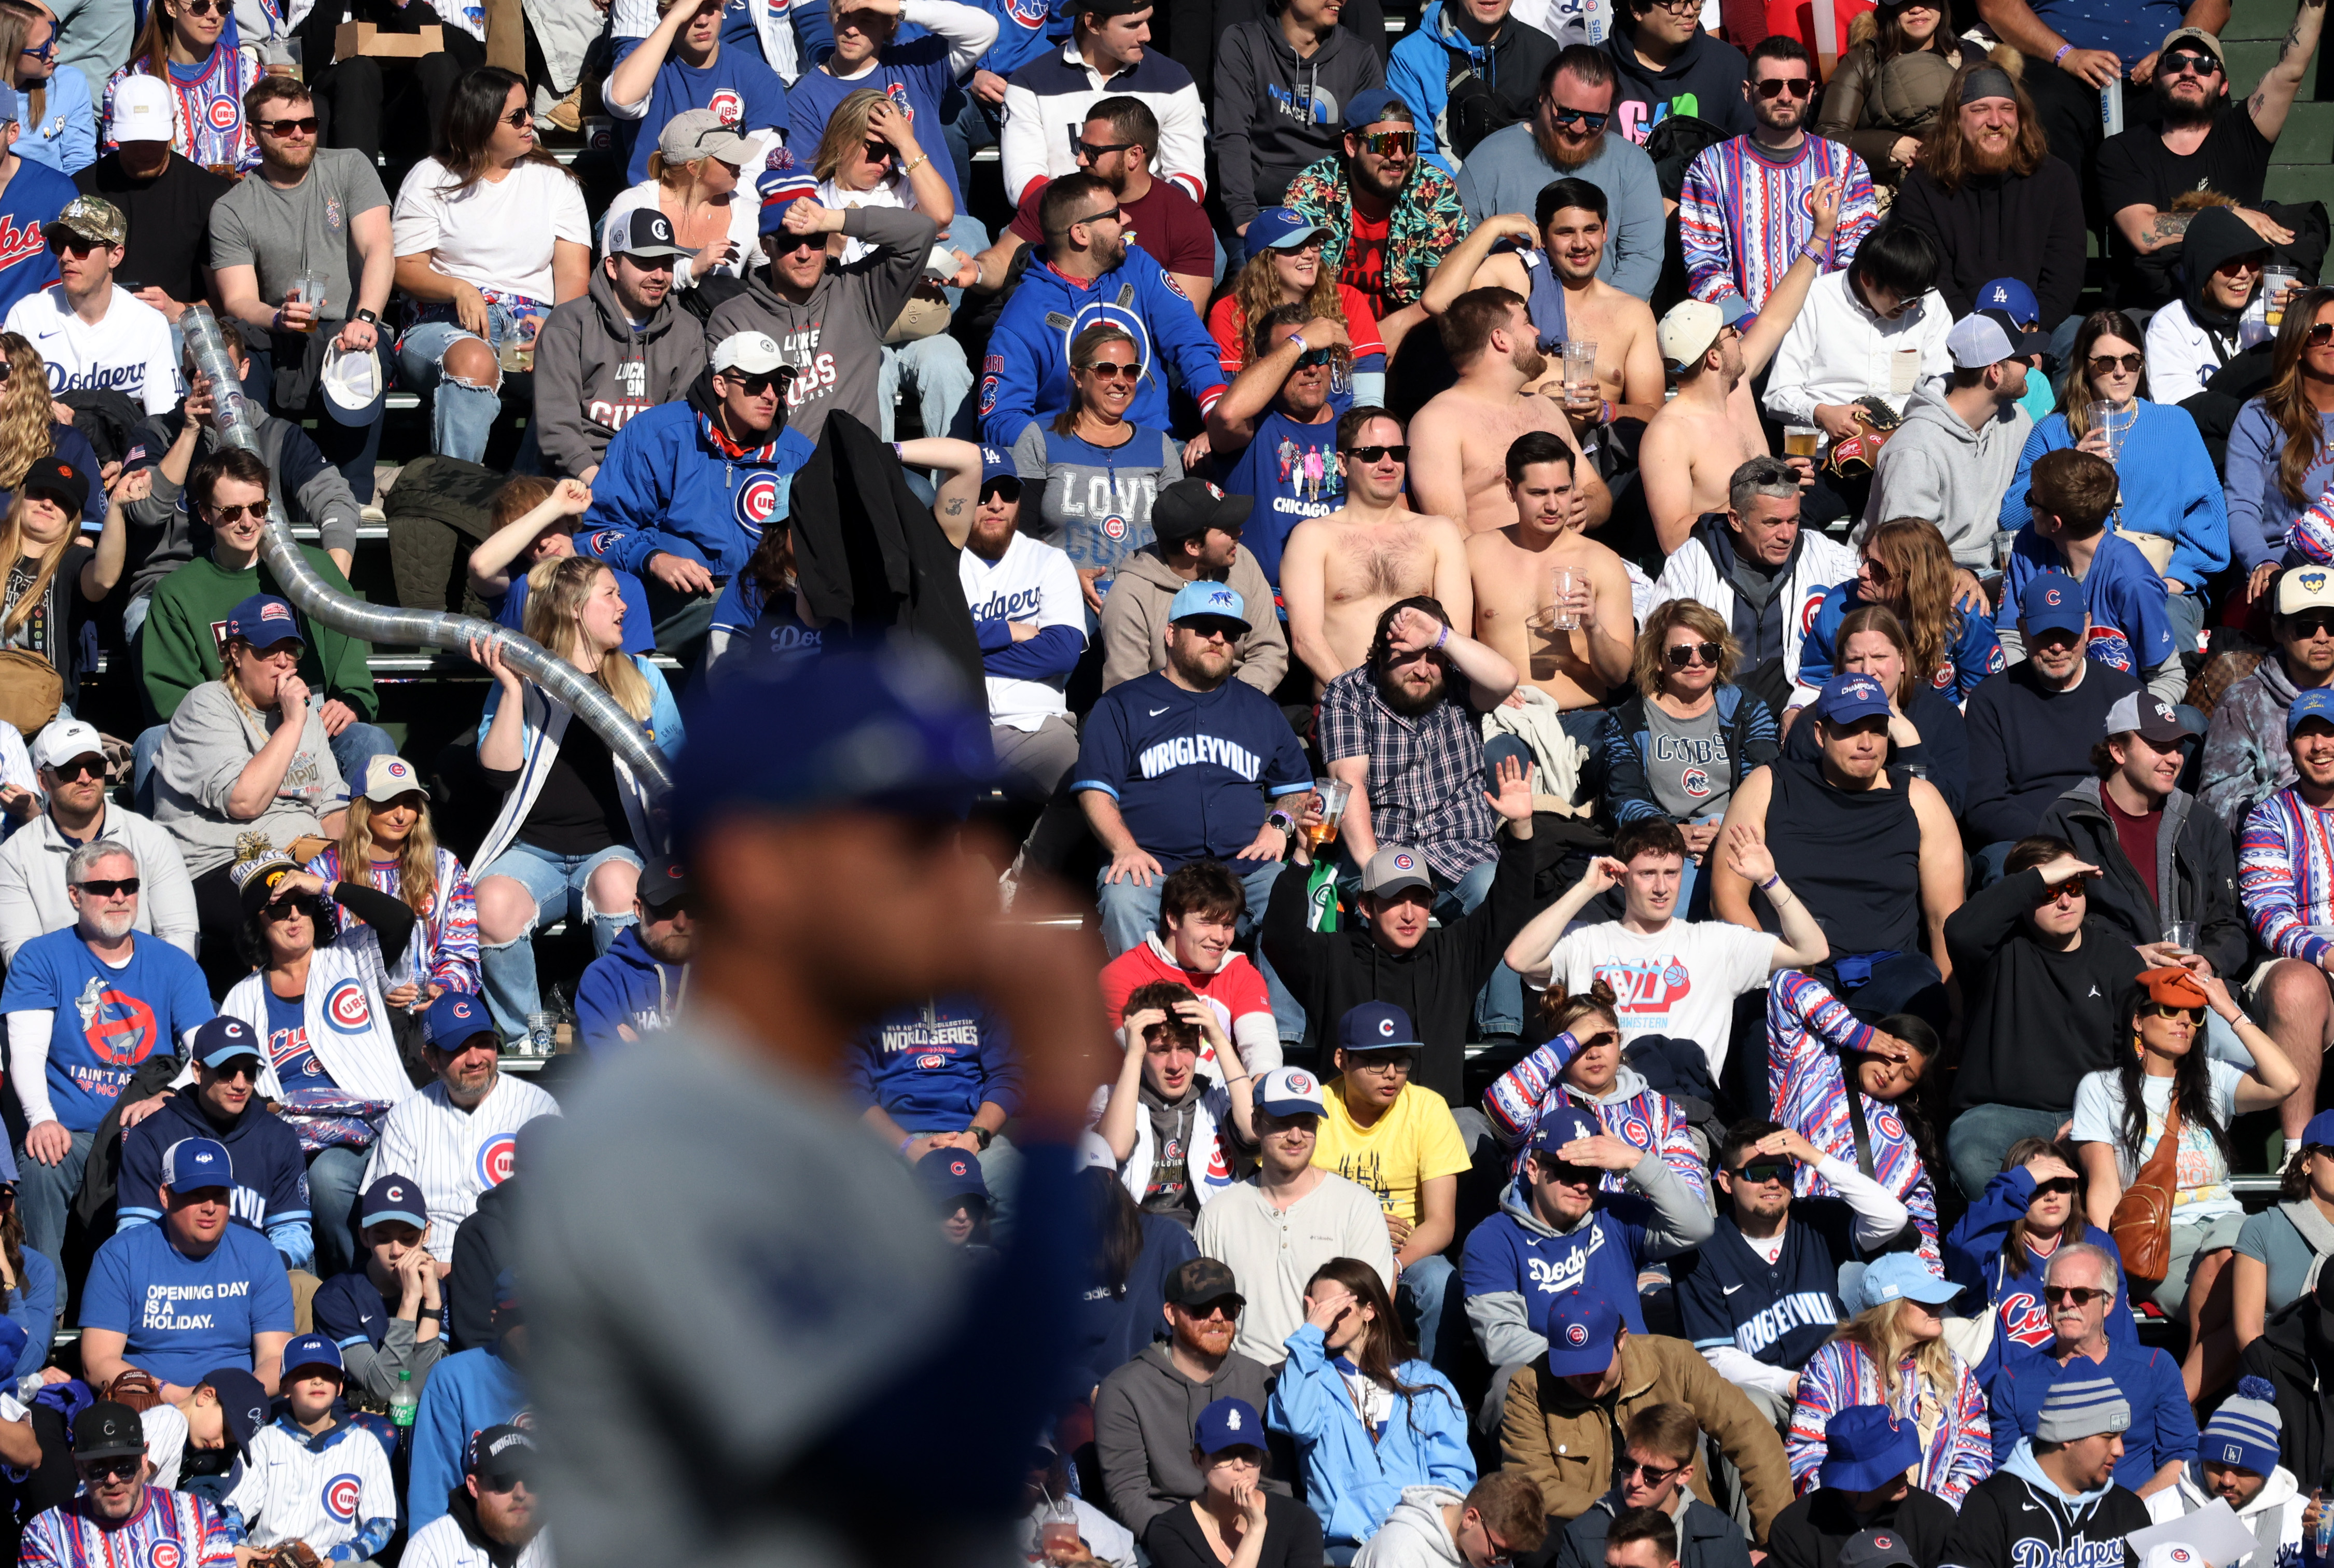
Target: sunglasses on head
x,y
1776,86
2104,363
1678,656
1387,143
1114,370
1094,152
2079,1295
107,889
1400,454
1780,1168
305,125
1588,120
2182,60
2057,1187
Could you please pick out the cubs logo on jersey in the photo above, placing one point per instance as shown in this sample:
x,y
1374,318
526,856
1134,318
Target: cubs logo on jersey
x,y
2025,1320
346,1011
165,1554
340,1495
224,112
496,1157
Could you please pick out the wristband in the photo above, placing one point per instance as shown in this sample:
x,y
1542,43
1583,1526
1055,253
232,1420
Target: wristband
x,y
1771,883
1814,251
904,1143
2061,54
1443,636
1281,820
1606,416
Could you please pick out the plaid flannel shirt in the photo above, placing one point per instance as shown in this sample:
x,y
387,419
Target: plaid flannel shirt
x,y
1426,782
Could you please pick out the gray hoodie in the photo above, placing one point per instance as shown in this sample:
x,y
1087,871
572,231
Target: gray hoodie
x,y
1276,113
593,371
1143,1419
1936,467
835,339
1135,621
1414,1534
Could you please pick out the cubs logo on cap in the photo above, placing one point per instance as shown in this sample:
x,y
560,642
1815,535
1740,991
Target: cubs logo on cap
x,y
1288,1092
456,1019
1576,1334
1376,1026
393,1197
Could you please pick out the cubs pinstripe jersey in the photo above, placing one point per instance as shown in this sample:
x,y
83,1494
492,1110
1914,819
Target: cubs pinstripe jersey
x,y
444,1543
454,1155
332,1489
168,1530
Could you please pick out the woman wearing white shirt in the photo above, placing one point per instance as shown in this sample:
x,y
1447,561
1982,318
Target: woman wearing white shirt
x,y
693,180
2189,340
490,233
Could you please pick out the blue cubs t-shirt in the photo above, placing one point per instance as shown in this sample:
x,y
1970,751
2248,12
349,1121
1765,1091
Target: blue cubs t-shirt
x,y
739,86
107,1020
2131,630
288,1052
186,1316
1190,770
1291,469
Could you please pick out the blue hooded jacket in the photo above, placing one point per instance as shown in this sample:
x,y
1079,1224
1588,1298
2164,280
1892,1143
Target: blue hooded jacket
x,y
1350,1482
1026,377
626,986
1421,69
667,486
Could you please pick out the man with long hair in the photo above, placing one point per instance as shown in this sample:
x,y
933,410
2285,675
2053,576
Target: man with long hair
x,y
1995,201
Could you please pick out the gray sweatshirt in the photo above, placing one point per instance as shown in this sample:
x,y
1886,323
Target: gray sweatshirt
x,y
835,337
593,371
164,533
211,739
1142,1417
1415,1535
1936,467
1275,114
1507,171
1135,621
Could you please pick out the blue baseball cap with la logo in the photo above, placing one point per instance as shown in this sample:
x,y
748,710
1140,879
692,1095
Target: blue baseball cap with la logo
x,y
1378,1026
2052,602
997,467
1193,600
192,1164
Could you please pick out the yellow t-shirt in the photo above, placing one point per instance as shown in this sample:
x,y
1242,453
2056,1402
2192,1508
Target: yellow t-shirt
x,y
1416,1141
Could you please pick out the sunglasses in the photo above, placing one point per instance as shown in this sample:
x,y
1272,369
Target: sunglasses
x,y
2320,335
1114,370
1389,143
2311,624
2193,64
75,244
1209,628
2102,364
256,510
237,1066
1781,1168
285,909
1563,1173
1776,86
2078,1295
1091,153
1396,1062
1587,119
1110,212
1224,1307
1678,656
46,52
2072,887
305,125
104,889
1654,1475
128,1466
1400,454
1313,357
203,8
78,769
2170,1010
2057,1187
1876,570
499,1485
518,117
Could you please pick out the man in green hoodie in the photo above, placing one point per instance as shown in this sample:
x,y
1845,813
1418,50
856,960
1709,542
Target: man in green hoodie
x,y
178,646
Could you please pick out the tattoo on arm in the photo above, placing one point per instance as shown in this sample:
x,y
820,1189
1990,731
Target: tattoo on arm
x,y
955,508
2169,226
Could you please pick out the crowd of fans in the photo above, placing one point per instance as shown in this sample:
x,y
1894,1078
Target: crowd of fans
x,y
1706,773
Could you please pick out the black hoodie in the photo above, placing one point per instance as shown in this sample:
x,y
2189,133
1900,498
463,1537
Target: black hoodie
x,y
1704,81
1810,1532
2214,235
1276,113
463,1509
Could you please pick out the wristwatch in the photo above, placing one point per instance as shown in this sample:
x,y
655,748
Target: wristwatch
x,y
1280,819
370,317
982,1136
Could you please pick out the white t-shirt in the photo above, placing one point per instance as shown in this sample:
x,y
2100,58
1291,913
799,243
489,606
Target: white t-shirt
x,y
498,234
1680,981
127,349
2202,1190
893,191
1029,582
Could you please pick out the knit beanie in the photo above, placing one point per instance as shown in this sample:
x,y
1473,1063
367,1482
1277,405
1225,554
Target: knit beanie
x,y
2245,1431
2082,1406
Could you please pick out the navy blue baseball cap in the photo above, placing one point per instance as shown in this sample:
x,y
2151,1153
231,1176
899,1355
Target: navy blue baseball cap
x,y
393,1197
1369,106
891,728
1581,1331
1865,1447
997,468
953,1172
2052,602
455,1018
192,1164
1561,1125
1281,229
263,620
2320,1130
1851,696
1227,1424
1378,1026
223,1040
2318,702
311,1350
242,1402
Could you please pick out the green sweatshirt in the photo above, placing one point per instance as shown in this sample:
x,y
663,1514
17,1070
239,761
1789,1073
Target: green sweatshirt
x,y
179,645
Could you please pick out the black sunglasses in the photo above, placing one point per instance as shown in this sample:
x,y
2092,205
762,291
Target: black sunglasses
x,y
1400,454
1587,119
305,125
2081,1295
1776,86
1780,1168
80,768
130,1466
2102,364
75,244
2057,1187
2197,65
2311,624
1680,654
518,117
756,385
1568,1173
2320,335
1654,1475
285,909
1090,152
107,889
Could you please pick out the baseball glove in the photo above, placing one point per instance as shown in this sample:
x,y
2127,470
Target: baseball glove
x,y
295,1555
1875,421
137,1390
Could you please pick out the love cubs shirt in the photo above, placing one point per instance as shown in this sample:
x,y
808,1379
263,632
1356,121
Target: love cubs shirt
x,y
1680,980
106,1020
1190,770
186,1316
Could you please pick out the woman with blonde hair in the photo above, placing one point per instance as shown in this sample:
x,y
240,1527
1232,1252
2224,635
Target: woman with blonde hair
x,y
574,829
58,118
693,179
1679,748
389,844
29,428
1285,267
1892,1353
1926,732
51,570
1904,564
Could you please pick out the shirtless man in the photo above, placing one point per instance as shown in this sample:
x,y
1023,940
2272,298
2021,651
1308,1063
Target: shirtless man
x,y
1583,308
1461,438
1513,575
1693,445
1340,572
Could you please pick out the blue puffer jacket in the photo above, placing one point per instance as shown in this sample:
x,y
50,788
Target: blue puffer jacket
x,y
670,485
1351,1482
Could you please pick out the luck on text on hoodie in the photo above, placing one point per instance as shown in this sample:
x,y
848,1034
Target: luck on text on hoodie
x,y
1276,113
594,371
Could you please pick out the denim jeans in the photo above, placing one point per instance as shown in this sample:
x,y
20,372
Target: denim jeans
x,y
352,749
2186,612
461,416
1420,1296
335,1181
44,1195
936,367
556,884
1130,912
1981,1135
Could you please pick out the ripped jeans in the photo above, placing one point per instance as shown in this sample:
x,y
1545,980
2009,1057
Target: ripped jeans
x,y
461,416
559,886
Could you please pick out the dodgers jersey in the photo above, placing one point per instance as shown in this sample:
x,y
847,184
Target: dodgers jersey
x,y
454,1155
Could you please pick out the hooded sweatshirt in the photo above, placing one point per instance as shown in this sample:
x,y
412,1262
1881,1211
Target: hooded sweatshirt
x,y
1936,467
1275,113
2024,226
627,987
271,1175
1143,1419
1134,616
2274,1516
1415,1535
1436,53
2196,874
2245,759
2190,338
594,371
1703,81
2019,990
2018,1517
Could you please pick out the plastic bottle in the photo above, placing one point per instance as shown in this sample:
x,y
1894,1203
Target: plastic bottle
x,y
2323,1541
402,1404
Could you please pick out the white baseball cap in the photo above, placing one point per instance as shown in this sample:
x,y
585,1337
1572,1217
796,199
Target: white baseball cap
x,y
755,353
64,740
1689,329
142,110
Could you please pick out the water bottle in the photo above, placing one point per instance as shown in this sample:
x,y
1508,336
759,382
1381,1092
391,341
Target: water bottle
x,y
1596,17
402,1403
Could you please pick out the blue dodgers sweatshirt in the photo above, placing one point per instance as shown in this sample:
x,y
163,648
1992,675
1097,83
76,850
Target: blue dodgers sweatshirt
x,y
271,1174
739,86
467,1393
627,985
1026,379
1516,1256
929,1066
2163,1424
671,484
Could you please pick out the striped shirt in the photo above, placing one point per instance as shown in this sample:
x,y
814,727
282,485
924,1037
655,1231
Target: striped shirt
x,y
1743,214
1638,1115
1957,1447
445,944
1806,1028
2285,874
166,1530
